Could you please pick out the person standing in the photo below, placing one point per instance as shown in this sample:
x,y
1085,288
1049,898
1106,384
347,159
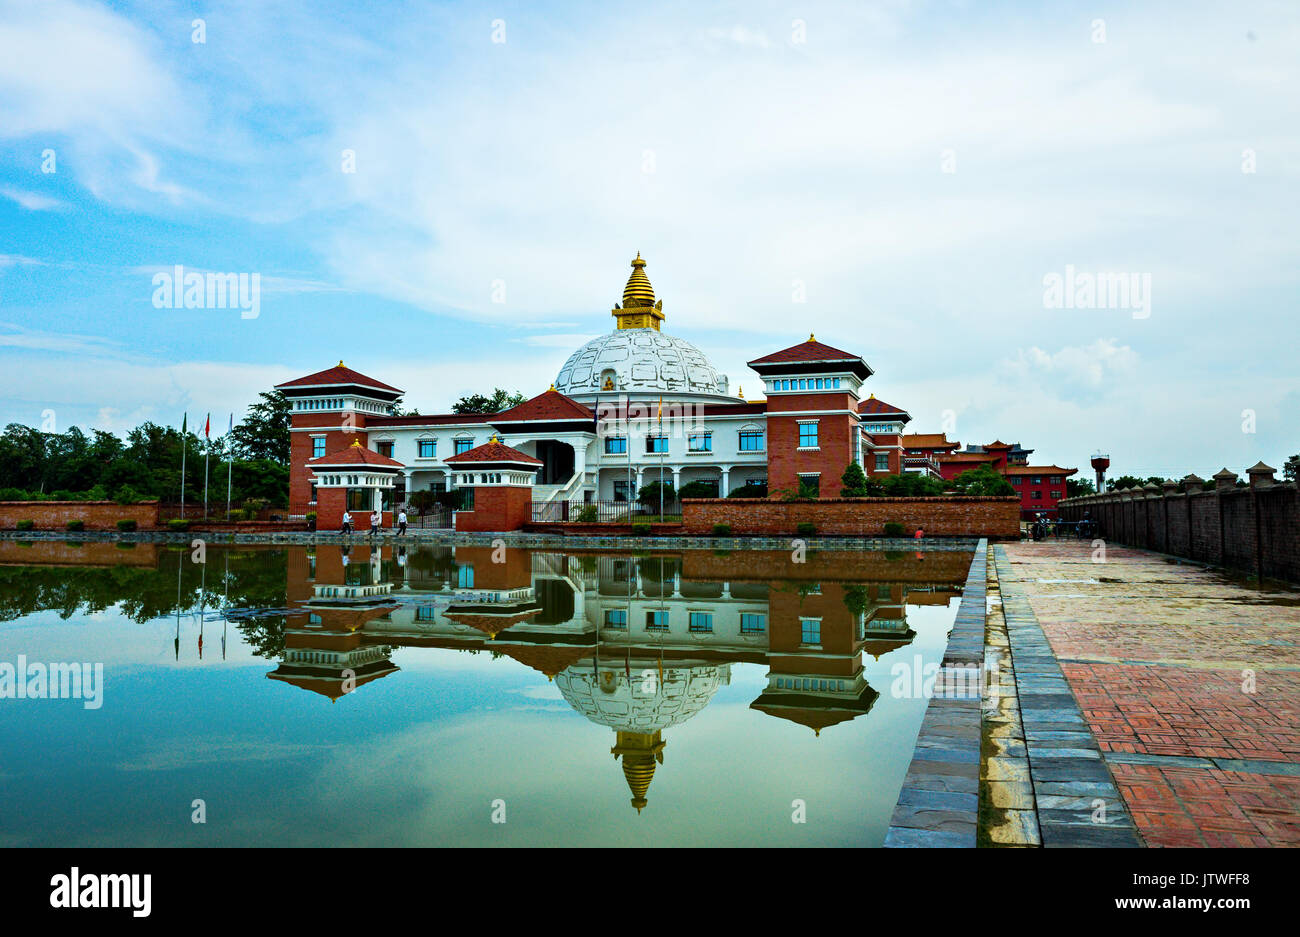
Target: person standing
x,y
401,522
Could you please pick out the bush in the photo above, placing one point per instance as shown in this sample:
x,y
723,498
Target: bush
x,y
649,495
76,526
894,529
722,530
26,525
640,530
698,489
749,491
805,529
127,495
178,524
588,515
982,481
126,525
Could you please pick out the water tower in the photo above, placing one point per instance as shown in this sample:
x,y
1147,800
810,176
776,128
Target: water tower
x,y
1100,462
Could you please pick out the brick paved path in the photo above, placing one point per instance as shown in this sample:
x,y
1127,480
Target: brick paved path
x,y
1157,654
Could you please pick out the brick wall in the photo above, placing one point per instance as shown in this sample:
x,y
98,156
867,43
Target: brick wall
x,y
300,450
96,515
860,517
84,553
1256,530
497,509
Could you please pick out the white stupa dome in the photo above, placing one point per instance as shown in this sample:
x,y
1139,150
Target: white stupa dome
x,y
637,359
640,361
608,699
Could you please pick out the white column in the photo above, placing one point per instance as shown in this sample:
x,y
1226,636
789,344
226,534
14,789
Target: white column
x,y
724,486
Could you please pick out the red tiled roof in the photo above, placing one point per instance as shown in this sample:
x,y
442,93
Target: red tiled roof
x,y
551,405
811,350
490,624
929,441
874,406
550,659
355,454
968,457
997,444
493,452
427,419
338,375
1038,470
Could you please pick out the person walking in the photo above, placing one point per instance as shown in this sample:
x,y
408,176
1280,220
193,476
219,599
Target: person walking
x,y
347,522
401,522
374,523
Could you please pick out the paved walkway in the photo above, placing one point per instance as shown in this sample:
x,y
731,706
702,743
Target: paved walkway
x,y
1189,681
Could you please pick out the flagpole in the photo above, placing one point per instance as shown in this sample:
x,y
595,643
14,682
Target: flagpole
x,y
207,449
230,462
661,460
184,428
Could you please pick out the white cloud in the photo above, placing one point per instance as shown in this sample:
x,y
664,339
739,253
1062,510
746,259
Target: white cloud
x,y
1090,366
31,201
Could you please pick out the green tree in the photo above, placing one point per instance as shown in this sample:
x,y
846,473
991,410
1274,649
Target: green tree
x,y
263,433
982,481
1077,487
854,481
1291,468
478,403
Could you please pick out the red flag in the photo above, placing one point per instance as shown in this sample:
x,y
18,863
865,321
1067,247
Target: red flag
x,y
207,424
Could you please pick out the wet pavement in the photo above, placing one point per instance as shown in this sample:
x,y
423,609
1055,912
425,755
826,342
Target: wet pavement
x,y
1188,679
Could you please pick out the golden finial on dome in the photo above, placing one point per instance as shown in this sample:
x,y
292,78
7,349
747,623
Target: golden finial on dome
x,y
812,337
552,387
639,309
356,444
340,362
740,392
494,438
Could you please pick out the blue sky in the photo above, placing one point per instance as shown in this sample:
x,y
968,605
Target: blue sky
x,y
746,156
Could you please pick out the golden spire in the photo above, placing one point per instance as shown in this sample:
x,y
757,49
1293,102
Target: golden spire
x,y
340,362
356,444
740,391
639,310
639,751
812,337
494,438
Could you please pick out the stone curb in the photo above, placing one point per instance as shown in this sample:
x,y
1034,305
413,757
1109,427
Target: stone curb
x,y
939,803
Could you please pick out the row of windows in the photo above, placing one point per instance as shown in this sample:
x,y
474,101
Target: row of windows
x,y
808,683
698,623
325,403
809,383
1038,479
1038,496
374,480
888,428
749,441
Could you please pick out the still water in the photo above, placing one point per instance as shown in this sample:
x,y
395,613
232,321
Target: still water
x,y
319,695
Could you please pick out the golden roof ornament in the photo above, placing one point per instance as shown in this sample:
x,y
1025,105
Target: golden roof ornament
x,y
340,362
639,309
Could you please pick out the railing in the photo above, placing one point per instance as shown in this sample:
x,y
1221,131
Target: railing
x,y
605,512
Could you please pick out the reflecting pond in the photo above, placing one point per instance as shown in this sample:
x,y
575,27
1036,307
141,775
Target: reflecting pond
x,y
326,695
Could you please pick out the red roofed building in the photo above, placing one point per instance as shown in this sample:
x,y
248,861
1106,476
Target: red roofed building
x,y
627,408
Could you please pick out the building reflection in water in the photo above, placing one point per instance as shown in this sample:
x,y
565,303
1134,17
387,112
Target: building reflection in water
x,y
638,644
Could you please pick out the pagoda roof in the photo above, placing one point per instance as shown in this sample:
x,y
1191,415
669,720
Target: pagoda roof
x,y
874,406
929,441
1038,470
810,351
338,376
493,451
548,406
